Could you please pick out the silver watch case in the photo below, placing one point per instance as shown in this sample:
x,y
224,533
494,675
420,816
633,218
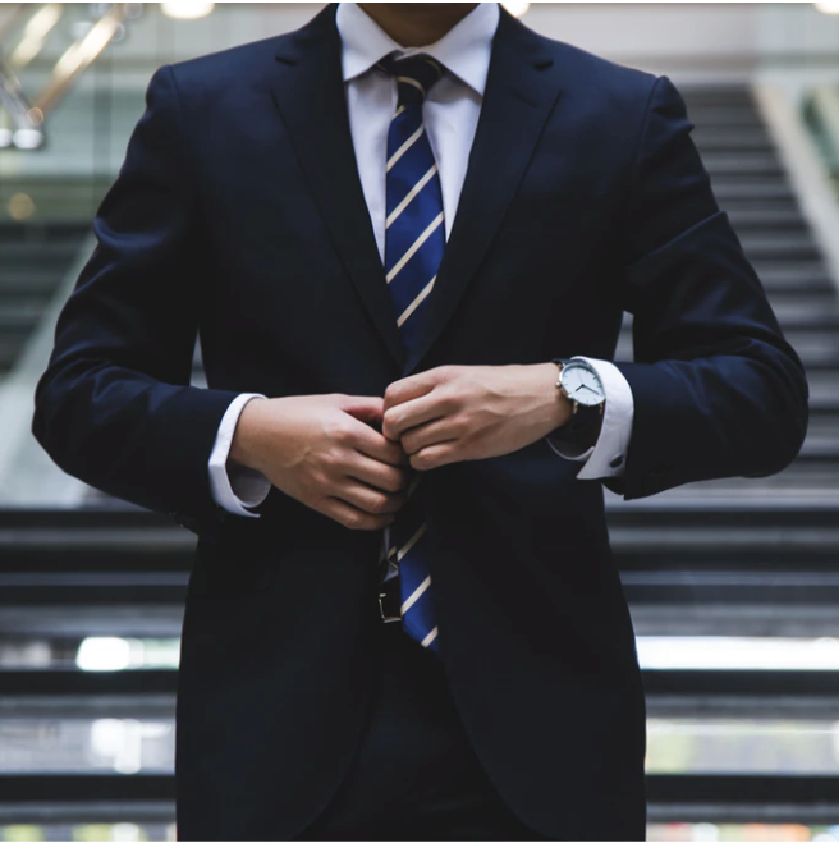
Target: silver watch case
x,y
581,384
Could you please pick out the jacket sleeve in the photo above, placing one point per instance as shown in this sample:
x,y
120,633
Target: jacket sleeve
x,y
114,407
717,391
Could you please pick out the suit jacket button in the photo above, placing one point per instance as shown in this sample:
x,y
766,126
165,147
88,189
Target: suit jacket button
x,y
617,462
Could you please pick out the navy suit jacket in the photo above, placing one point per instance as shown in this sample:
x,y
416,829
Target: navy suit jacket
x,y
238,213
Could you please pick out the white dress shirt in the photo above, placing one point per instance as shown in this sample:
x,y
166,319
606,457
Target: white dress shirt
x,y
450,116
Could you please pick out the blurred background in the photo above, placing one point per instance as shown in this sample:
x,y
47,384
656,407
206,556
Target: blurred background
x,y
733,585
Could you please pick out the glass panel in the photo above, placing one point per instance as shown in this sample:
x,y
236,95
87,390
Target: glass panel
x,y
107,653
121,832
711,746
670,832
125,746
737,653
683,832
741,746
92,654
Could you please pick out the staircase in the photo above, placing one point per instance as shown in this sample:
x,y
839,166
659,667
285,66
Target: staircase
x,y
34,259
738,742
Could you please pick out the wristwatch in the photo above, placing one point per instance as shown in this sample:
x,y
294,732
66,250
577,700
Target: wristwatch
x,y
581,385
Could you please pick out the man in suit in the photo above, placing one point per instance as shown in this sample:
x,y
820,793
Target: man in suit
x,y
407,236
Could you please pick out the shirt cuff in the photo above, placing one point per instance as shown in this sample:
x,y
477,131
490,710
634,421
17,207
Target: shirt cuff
x,y
606,457
235,488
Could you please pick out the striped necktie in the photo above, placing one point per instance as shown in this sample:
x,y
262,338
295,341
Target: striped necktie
x,y
414,243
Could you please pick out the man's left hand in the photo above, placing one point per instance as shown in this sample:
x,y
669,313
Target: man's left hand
x,y
455,413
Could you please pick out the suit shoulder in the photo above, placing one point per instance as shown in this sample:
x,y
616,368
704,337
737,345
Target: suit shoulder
x,y
226,66
598,75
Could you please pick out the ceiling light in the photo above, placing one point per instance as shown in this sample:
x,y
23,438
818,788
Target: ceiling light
x,y
828,7
21,206
28,138
40,25
186,9
516,7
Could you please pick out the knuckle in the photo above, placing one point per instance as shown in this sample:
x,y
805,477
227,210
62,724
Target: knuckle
x,y
354,520
461,423
380,504
450,401
340,430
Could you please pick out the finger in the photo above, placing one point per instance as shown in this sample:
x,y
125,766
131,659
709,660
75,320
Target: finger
x,y
362,407
414,386
435,456
377,474
354,518
372,501
375,445
435,432
415,412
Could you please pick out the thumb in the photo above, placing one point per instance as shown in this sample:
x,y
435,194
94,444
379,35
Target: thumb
x,y
363,407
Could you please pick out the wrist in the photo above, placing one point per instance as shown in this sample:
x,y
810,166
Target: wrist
x,y
554,404
243,447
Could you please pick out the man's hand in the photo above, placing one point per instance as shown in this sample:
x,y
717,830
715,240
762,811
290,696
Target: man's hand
x,y
319,450
455,413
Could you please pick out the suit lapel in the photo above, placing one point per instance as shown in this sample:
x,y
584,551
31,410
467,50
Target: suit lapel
x,y
308,90
519,97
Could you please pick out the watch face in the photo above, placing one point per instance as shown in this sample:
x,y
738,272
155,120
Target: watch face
x,y
582,384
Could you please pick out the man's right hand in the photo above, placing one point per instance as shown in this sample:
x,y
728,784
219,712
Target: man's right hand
x,y
320,450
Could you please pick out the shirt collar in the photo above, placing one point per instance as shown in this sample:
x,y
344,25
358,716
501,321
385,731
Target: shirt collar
x,y
464,51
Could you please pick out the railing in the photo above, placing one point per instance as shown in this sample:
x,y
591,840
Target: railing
x,y
820,113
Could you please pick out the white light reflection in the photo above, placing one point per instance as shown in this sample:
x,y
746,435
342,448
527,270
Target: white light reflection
x,y
186,9
516,7
82,53
737,653
108,654
103,654
125,832
39,26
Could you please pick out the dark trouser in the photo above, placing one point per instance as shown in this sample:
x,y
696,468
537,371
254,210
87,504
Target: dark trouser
x,y
415,775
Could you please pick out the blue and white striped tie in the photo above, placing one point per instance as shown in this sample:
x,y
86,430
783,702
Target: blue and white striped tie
x,y
414,243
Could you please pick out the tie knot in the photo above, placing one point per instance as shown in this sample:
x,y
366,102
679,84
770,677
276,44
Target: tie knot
x,y
415,76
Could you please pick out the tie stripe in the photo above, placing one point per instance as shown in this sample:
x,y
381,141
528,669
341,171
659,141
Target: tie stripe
x,y
414,242
411,194
418,592
429,638
400,552
414,247
403,149
421,297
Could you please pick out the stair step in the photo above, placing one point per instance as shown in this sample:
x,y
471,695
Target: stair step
x,y
804,309
42,231
823,390
28,280
759,216
815,348
17,255
715,114
785,246
803,276
724,138
746,163
728,95
9,349
746,190
19,315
